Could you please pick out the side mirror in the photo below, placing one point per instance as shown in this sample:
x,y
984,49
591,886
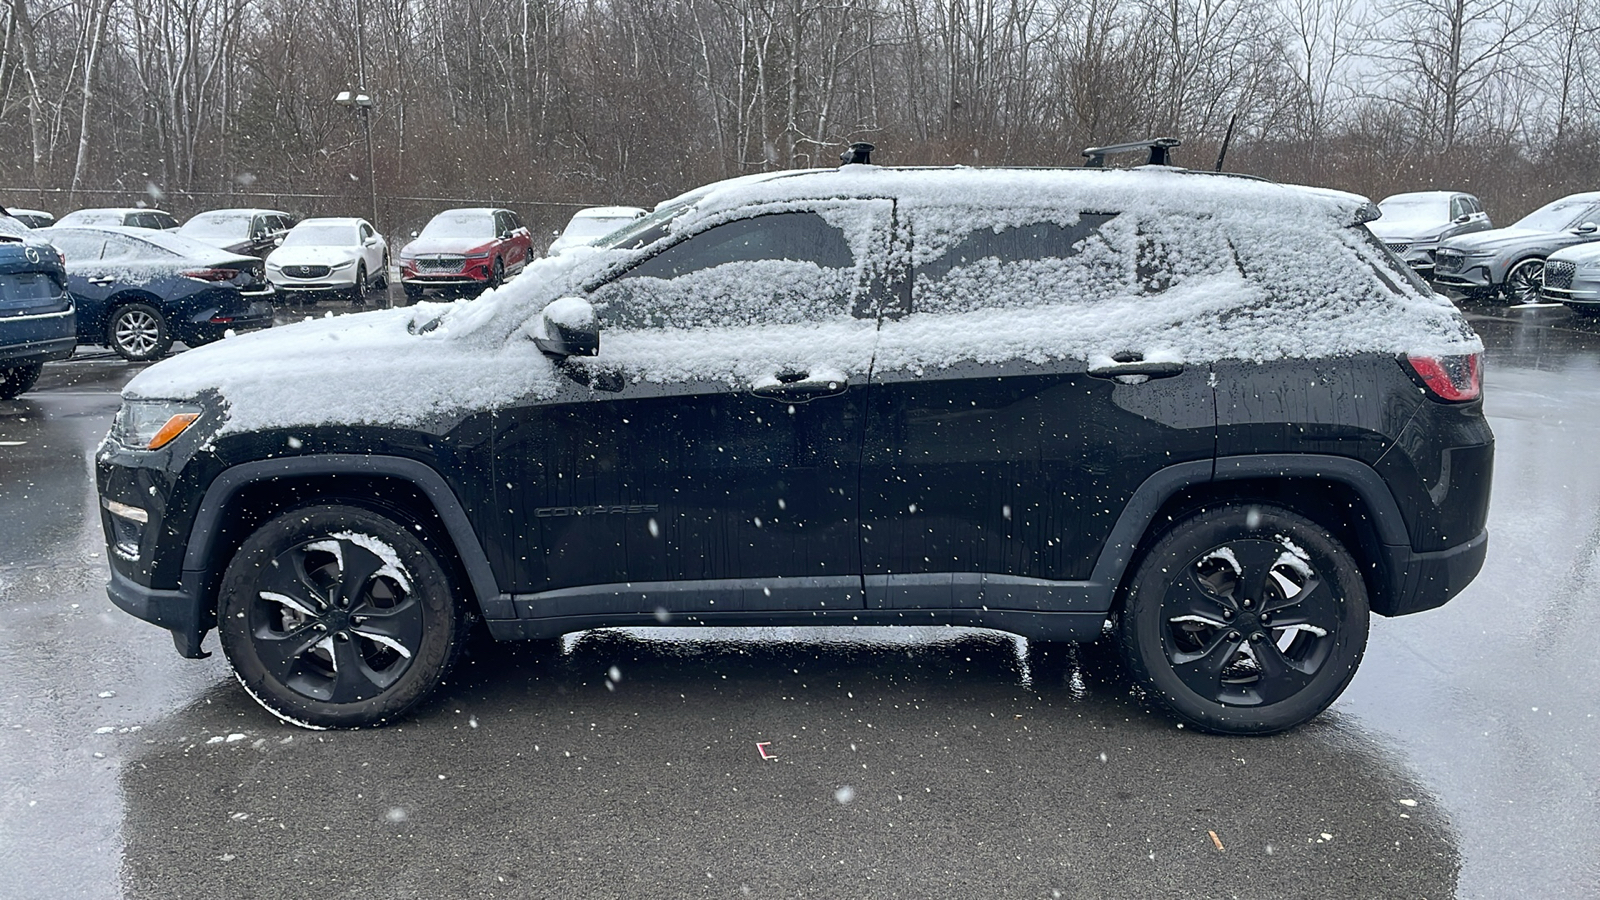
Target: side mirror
x,y
567,327
1586,228
1463,219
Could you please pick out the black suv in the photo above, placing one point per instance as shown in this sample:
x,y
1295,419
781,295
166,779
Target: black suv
x,y
1060,403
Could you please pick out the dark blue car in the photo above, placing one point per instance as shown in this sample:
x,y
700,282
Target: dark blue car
x,y
138,289
37,322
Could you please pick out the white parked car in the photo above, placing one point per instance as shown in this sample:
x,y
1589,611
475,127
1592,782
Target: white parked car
x,y
322,257
592,223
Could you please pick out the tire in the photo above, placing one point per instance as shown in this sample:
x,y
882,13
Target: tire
x,y
1256,660
138,332
413,294
358,292
314,659
1524,281
16,380
497,276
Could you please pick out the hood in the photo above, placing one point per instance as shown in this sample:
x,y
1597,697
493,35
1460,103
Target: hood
x,y
459,246
1410,231
312,256
1580,255
421,365
1497,240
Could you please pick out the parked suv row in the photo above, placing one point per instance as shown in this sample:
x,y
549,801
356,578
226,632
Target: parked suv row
x,y
1031,400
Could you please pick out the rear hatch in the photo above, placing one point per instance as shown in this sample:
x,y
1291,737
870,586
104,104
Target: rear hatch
x,y
32,279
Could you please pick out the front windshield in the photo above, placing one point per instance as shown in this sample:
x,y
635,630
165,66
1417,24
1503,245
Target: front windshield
x,y
321,236
218,225
1420,208
1559,216
587,229
92,217
639,232
460,225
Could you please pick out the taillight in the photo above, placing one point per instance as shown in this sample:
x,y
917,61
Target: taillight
x,y
1454,378
211,274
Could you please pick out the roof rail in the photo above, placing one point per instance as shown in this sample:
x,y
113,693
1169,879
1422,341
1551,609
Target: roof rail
x,y
860,153
1095,157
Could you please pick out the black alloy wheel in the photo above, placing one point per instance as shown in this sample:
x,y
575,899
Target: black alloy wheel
x,y
138,332
334,616
498,276
1525,281
18,378
1245,619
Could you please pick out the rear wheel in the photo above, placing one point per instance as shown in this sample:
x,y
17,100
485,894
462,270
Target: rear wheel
x,y
335,616
1244,619
138,332
16,380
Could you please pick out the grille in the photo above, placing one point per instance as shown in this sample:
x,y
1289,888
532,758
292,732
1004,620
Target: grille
x,y
1399,248
1559,275
306,271
439,264
1449,263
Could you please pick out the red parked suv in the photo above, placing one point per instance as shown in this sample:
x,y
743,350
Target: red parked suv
x,y
464,250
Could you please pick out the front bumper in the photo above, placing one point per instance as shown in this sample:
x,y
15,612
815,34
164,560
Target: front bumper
x,y
181,611
340,280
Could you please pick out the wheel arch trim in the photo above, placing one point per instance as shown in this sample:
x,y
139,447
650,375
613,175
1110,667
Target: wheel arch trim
x,y
1139,513
203,533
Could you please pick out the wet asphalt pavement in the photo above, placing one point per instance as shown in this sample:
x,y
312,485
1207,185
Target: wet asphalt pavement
x,y
1461,762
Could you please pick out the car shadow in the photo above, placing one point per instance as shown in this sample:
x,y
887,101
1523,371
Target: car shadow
x,y
820,762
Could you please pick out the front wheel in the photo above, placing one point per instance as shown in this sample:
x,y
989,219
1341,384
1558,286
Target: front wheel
x,y
358,292
334,616
1244,619
1525,281
16,380
138,332
497,276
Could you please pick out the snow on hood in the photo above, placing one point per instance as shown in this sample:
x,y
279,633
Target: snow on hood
x,y
1578,254
430,245
1505,239
312,256
1411,230
404,366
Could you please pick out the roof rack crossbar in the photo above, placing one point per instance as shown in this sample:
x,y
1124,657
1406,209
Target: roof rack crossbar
x,y
859,154
1095,157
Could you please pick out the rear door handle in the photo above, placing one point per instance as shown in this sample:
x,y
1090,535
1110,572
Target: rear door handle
x,y
800,387
1138,367
102,281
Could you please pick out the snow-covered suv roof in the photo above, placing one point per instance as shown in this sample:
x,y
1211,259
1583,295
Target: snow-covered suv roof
x,y
1258,271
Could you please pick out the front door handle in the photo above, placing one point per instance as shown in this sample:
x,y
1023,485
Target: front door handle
x,y
102,281
800,387
1148,369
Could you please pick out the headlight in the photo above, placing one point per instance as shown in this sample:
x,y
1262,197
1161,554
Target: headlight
x,y
273,267
343,265
152,424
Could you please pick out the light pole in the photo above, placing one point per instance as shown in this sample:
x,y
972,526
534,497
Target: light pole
x,y
362,103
